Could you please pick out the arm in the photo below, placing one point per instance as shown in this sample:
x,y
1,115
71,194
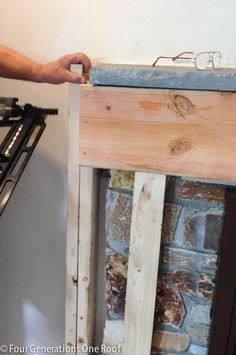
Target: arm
x,y
14,65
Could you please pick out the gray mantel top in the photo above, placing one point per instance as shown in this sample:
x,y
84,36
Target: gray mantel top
x,y
163,77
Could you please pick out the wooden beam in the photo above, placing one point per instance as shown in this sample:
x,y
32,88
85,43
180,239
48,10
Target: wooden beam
x,y
148,202
190,133
72,219
87,258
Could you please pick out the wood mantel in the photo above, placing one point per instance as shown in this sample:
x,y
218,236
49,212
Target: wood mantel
x,y
175,132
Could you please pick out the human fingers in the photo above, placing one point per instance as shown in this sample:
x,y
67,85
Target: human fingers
x,y
75,78
79,58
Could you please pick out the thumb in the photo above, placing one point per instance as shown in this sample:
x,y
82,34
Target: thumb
x,y
75,78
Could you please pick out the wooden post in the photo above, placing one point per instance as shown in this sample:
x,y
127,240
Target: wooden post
x,y
72,217
81,238
148,202
87,258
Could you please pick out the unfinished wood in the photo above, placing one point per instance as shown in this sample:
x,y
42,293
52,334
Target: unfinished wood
x,y
72,217
190,133
87,258
148,202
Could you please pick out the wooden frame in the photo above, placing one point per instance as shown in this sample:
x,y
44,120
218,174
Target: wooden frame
x,y
151,132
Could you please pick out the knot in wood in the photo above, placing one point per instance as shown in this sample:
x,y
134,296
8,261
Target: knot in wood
x,y
179,146
74,279
145,192
181,104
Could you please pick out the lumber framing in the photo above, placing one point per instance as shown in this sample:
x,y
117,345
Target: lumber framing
x,y
145,241
72,222
175,132
86,307
154,132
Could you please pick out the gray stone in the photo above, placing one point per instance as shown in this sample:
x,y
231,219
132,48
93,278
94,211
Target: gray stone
x,y
213,234
118,215
114,333
200,314
170,220
163,77
114,316
185,214
203,230
120,247
199,335
189,259
197,350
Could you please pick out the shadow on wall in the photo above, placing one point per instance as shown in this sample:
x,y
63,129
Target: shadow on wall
x,y
32,257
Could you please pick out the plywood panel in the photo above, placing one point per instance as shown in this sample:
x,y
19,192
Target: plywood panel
x,y
145,239
191,133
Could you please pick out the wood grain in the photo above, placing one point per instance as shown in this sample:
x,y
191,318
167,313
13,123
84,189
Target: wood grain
x,y
145,238
87,258
190,133
72,221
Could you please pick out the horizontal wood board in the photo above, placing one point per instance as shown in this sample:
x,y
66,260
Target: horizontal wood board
x,y
175,132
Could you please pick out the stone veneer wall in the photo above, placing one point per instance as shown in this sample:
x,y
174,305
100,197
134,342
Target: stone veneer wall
x,y
192,226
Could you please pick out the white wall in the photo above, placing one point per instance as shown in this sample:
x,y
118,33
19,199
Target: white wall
x,y
138,31
32,228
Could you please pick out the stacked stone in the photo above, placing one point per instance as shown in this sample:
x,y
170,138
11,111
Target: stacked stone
x,y
192,225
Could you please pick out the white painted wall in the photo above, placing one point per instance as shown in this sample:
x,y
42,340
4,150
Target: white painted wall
x,y
32,229
138,31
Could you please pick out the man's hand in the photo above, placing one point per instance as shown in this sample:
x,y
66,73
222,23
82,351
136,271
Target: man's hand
x,y
58,71
14,65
